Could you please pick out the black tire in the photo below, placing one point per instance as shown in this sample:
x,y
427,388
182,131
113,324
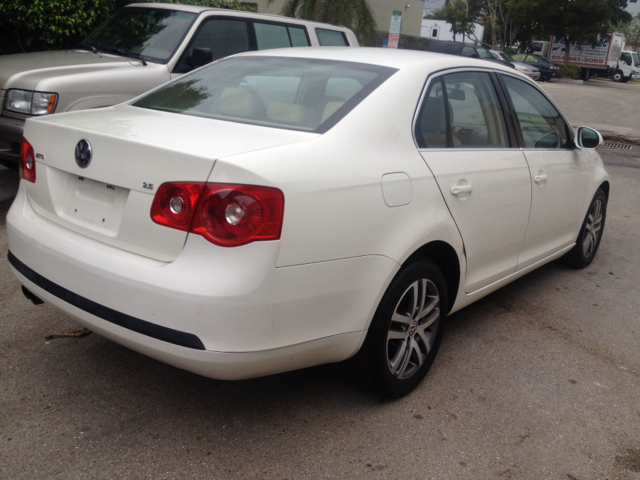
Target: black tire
x,y
590,234
617,76
397,354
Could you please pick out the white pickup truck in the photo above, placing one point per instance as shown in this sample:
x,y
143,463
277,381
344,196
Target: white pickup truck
x,y
142,46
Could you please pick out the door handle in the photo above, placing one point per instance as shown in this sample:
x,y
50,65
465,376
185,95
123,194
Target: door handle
x,y
540,178
461,189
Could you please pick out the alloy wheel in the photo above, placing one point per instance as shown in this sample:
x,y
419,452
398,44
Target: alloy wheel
x,y
593,228
413,328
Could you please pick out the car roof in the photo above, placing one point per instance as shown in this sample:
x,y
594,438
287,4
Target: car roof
x,y
238,13
387,57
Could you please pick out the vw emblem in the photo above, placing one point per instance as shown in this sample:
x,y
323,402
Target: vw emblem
x,y
84,153
413,326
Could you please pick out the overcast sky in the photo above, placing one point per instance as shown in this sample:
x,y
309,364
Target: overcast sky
x,y
633,8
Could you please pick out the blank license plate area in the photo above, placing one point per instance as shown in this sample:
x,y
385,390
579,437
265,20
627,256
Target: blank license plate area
x,y
95,205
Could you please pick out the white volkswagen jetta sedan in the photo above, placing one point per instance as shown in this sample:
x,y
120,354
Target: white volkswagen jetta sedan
x,y
282,209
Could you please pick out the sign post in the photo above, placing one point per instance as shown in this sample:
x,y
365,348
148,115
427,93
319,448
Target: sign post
x,y
394,29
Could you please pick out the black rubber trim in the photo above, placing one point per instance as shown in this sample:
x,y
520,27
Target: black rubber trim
x,y
149,329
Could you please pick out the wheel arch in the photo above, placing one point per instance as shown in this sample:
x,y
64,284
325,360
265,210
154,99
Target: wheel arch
x,y
605,186
446,259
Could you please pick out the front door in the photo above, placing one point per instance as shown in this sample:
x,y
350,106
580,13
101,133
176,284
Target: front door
x,y
559,174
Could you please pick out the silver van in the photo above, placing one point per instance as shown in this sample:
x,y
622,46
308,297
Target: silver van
x,y
142,46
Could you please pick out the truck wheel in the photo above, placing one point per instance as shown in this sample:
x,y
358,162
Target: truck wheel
x,y
617,76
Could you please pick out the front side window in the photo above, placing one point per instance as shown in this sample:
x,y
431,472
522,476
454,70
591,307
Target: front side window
x,y
331,38
153,34
541,124
462,110
291,93
222,37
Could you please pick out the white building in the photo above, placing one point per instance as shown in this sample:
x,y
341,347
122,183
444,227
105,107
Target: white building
x,y
441,30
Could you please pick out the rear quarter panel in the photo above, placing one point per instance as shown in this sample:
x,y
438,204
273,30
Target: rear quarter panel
x,y
334,205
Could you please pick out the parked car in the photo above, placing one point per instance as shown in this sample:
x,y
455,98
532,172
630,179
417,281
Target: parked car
x,y
548,69
529,70
465,50
287,208
140,47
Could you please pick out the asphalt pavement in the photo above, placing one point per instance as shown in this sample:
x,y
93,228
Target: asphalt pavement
x,y
611,108
540,380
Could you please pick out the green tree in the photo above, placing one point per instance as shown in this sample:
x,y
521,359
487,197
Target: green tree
x,y
47,24
460,16
355,14
581,20
437,14
631,31
32,25
505,22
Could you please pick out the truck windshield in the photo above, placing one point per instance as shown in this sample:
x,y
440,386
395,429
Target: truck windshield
x,y
152,34
291,93
636,59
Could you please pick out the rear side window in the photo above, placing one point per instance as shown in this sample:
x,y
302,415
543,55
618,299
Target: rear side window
x,y
541,124
270,35
331,38
462,110
291,93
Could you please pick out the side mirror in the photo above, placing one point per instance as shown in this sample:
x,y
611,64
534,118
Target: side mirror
x,y
200,56
588,138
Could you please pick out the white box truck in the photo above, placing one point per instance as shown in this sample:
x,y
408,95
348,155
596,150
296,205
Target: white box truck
x,y
599,59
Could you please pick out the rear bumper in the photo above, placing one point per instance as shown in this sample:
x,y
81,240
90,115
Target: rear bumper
x,y
222,313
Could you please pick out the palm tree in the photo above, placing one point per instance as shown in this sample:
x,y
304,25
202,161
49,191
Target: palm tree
x,y
355,14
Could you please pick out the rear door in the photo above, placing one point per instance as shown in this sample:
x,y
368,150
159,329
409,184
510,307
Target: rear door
x,y
466,141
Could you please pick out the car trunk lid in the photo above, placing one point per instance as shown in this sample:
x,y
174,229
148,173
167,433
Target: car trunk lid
x,y
134,151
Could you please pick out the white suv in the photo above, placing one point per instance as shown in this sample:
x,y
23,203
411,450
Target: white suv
x,y
142,46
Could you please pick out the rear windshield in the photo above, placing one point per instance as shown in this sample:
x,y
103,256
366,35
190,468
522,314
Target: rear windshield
x,y
291,93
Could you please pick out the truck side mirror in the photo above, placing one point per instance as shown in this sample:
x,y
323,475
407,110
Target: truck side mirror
x,y
200,56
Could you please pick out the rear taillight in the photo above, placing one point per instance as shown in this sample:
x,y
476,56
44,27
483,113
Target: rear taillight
x,y
27,162
225,214
174,204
